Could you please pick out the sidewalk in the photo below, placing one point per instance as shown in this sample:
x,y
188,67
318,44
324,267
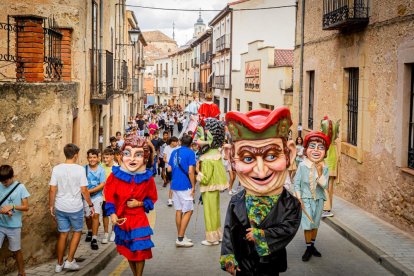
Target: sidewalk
x,y
386,244
90,261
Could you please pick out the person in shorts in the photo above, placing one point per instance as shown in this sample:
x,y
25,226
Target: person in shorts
x,y
67,186
172,145
96,180
162,145
182,165
13,201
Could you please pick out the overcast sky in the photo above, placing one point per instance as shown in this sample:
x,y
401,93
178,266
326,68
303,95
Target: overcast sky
x,y
184,21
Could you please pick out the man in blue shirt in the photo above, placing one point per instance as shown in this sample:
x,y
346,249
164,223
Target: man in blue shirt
x,y
182,164
96,180
13,201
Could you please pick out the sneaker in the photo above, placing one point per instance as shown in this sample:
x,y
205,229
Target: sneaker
x,y
170,202
207,243
307,255
112,238
94,244
187,239
105,238
71,265
326,214
59,268
88,237
183,243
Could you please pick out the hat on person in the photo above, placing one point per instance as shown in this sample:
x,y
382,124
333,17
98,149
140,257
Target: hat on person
x,y
318,136
259,124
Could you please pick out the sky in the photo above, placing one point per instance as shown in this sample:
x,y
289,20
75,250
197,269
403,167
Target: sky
x,y
184,21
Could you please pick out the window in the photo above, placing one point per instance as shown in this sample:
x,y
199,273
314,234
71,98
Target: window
x,y
217,101
238,104
411,124
311,98
225,105
94,52
352,129
249,106
267,106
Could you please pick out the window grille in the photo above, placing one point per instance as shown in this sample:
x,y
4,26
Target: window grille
x,y
352,130
411,124
311,98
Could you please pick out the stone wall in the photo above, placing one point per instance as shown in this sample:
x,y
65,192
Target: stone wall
x,y
372,174
35,123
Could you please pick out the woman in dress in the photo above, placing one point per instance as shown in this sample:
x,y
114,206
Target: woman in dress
x,y
130,192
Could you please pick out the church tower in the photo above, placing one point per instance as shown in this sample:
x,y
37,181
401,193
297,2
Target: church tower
x,y
199,26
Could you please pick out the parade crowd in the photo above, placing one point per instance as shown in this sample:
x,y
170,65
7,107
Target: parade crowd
x,y
283,183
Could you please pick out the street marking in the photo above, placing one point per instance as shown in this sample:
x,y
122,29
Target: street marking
x,y
123,265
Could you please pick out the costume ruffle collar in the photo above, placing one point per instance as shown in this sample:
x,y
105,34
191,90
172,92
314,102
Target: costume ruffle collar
x,y
126,177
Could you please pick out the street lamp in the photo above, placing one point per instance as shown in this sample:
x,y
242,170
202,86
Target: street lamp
x,y
134,34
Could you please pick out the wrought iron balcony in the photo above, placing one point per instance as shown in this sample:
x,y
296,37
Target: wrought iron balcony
x,y
344,14
103,90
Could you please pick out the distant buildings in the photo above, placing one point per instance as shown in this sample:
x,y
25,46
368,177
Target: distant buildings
x,y
210,61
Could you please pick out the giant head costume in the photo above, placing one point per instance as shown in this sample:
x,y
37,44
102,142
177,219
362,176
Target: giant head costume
x,y
135,153
316,144
260,153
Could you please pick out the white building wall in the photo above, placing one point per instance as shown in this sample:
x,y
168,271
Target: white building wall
x,y
274,26
270,83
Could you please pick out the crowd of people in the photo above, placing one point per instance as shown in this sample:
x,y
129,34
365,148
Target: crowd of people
x,y
117,184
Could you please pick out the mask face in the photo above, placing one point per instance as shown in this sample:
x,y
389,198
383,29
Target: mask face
x,y
261,165
315,151
133,159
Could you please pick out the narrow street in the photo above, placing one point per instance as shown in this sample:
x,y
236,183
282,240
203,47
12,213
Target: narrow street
x,y
340,257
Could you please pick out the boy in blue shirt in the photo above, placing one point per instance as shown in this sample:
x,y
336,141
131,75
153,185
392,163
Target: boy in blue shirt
x,y
13,201
182,164
96,180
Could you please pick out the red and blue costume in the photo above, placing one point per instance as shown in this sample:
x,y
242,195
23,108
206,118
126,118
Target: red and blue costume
x,y
133,238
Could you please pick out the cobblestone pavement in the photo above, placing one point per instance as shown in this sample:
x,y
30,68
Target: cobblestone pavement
x,y
340,257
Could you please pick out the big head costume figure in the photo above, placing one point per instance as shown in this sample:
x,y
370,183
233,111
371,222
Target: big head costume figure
x,y
310,182
253,243
130,192
330,129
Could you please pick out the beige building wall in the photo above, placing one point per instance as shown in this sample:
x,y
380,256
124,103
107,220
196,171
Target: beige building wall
x,y
373,174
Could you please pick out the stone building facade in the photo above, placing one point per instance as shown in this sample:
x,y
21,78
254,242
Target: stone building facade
x,y
358,64
51,98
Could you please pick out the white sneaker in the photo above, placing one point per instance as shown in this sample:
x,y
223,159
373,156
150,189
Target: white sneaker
x,y
112,238
326,214
183,243
71,265
59,268
170,202
105,238
187,239
209,243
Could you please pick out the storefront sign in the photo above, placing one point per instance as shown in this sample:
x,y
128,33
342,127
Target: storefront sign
x,y
252,76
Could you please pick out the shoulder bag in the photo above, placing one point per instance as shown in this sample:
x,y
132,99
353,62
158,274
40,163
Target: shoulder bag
x,y
7,196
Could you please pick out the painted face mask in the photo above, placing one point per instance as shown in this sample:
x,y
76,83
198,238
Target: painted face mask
x,y
135,153
260,153
316,143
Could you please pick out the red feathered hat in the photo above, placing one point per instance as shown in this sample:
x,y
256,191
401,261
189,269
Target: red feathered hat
x,y
317,136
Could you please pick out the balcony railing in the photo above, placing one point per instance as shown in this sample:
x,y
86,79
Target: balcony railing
x,y
344,14
223,42
219,82
102,90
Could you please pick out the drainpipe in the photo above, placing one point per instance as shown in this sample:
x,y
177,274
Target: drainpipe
x,y
302,37
100,43
231,60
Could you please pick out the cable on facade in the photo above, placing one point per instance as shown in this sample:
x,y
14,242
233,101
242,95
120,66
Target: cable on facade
x,y
208,10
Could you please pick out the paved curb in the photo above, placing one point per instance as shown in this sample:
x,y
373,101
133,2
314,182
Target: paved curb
x,y
374,252
99,263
